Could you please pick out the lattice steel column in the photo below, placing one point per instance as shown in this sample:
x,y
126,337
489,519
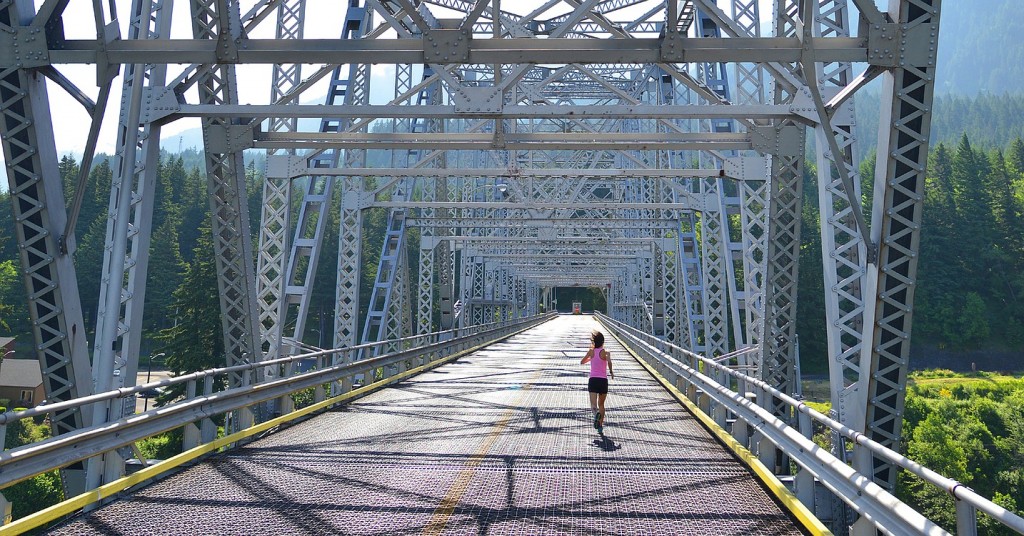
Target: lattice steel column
x,y
275,219
397,325
236,281
533,298
907,97
754,196
346,319
750,82
425,287
713,258
778,345
844,250
692,284
128,234
670,276
37,195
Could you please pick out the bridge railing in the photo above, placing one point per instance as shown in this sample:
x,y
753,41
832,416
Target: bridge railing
x,y
692,374
336,370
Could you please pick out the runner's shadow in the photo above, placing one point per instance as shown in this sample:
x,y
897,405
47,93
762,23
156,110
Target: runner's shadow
x,y
607,444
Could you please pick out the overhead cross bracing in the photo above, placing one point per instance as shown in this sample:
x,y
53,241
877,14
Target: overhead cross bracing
x,y
671,134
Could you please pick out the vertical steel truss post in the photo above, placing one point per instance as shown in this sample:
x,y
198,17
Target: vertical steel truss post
x,y
428,259
389,300
778,344
349,257
346,309
275,219
219,20
907,97
311,224
750,84
754,192
465,277
721,296
844,250
670,275
713,259
128,234
754,200
693,284
38,202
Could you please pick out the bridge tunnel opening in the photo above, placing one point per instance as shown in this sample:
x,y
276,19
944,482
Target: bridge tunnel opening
x,y
590,299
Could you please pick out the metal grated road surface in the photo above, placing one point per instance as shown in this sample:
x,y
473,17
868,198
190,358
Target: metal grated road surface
x,y
499,442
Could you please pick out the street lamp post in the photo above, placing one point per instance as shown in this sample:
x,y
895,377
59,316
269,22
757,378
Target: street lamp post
x,y
149,375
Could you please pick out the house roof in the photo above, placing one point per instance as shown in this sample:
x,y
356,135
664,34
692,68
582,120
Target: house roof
x,y
4,341
20,373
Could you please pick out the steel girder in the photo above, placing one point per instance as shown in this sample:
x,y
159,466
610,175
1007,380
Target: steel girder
x,y
128,234
40,220
275,220
346,316
896,225
844,248
389,299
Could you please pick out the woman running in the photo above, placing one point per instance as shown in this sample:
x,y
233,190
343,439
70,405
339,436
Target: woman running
x,y
600,370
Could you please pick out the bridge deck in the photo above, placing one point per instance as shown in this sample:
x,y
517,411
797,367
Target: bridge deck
x,y
499,442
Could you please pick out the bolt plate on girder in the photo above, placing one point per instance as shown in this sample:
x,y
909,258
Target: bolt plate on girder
x,y
899,45
446,46
672,48
223,139
747,168
768,140
478,100
158,103
284,166
25,48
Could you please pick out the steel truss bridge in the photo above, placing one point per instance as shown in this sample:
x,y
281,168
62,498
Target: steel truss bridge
x,y
653,149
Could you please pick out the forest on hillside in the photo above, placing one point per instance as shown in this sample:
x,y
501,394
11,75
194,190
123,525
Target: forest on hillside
x,y
182,311
988,120
974,56
971,269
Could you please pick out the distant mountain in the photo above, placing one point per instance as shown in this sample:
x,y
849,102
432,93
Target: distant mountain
x,y
990,121
981,47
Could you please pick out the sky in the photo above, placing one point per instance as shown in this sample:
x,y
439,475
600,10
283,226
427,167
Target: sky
x,y
323,20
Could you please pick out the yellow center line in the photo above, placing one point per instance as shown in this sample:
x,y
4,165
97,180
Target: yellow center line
x,y
453,497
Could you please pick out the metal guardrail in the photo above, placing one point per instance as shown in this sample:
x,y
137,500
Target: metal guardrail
x,y
887,513
336,367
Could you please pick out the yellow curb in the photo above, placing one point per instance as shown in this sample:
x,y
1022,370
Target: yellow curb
x,y
803,515
72,505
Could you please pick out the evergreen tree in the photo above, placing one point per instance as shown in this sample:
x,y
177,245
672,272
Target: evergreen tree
x,y
68,170
165,268
194,341
8,249
177,177
939,268
1015,157
974,213
195,212
89,267
10,298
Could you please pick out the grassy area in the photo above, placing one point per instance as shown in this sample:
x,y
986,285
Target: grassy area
x,y
932,383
